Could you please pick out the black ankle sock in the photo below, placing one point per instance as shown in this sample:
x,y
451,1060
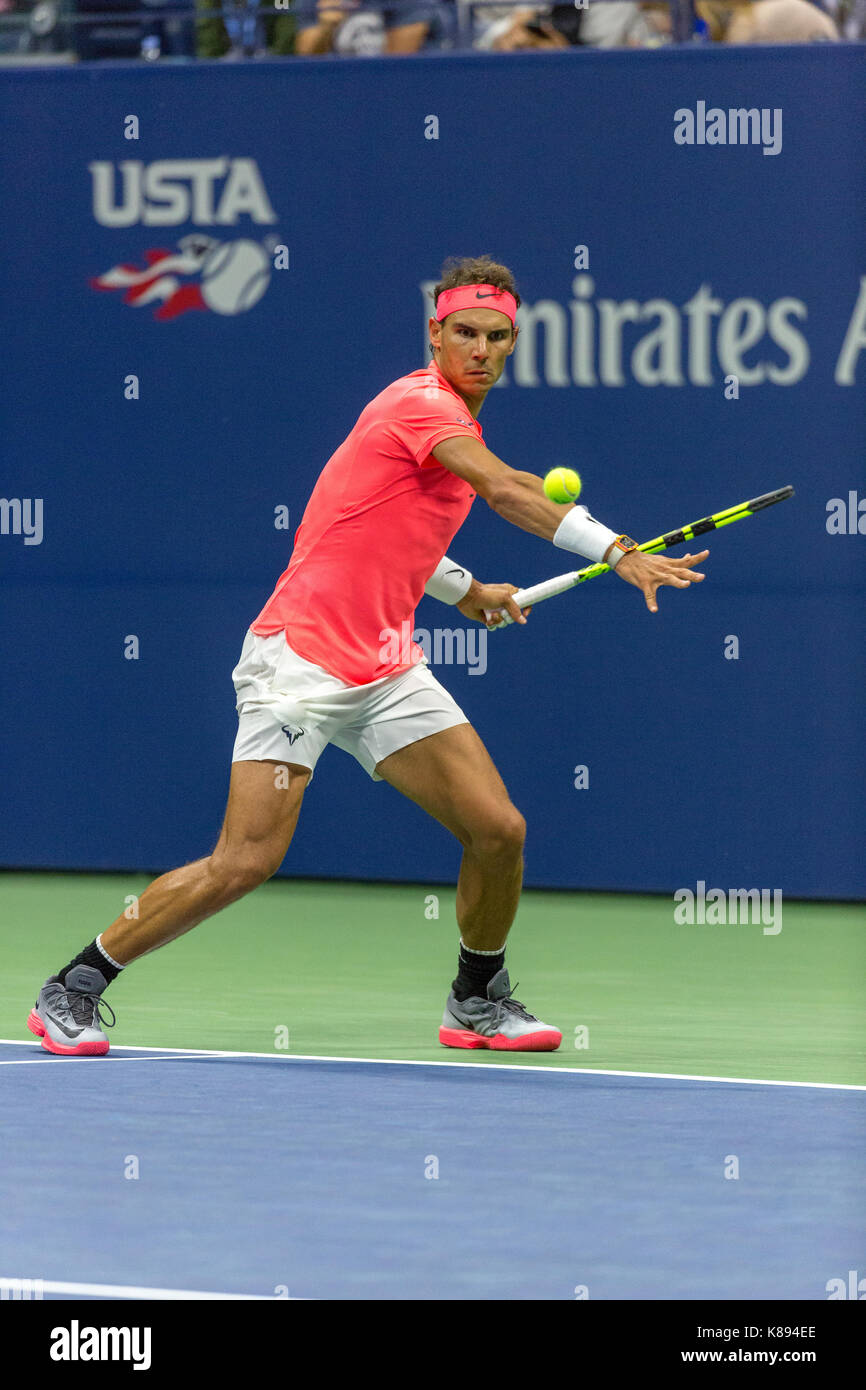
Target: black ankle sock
x,y
475,970
91,955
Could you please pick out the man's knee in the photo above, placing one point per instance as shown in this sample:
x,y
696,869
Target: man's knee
x,y
501,836
239,872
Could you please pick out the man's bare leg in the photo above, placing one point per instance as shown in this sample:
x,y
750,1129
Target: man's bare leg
x,y
452,777
263,807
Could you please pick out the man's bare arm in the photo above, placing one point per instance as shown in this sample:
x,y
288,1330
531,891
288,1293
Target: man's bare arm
x,y
515,496
519,498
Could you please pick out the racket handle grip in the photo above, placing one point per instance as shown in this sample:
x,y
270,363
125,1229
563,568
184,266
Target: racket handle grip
x,y
548,588
525,598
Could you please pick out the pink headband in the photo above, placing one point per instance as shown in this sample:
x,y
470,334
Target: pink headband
x,y
475,297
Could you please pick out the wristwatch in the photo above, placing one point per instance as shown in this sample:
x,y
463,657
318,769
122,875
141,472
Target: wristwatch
x,y
621,546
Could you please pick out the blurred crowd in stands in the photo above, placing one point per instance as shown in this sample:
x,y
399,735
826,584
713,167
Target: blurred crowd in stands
x,y
612,24
239,29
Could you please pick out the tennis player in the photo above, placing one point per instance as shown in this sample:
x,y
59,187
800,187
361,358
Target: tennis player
x,y
321,665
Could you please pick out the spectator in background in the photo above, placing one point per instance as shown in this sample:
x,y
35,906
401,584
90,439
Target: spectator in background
x,y
370,32
504,29
781,21
850,17
617,24
213,40
10,36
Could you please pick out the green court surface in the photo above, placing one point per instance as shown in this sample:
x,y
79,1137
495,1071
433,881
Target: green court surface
x,y
360,970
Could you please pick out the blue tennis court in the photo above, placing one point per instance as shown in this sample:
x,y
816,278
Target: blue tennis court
x,y
311,1178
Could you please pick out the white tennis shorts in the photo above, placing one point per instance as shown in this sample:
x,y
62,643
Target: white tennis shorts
x,y
289,709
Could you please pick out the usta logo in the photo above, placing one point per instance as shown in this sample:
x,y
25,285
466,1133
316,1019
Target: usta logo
x,y
170,192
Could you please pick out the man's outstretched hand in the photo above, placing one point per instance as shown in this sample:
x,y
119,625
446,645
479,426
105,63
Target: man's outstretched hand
x,y
649,572
490,597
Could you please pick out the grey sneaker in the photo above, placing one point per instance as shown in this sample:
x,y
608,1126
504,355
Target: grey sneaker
x,y
498,1022
67,1017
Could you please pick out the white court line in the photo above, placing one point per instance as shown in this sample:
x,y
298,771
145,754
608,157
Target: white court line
x,y
39,1061
35,1287
191,1052
130,1047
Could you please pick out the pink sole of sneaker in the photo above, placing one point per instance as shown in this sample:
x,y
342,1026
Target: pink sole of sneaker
x,y
88,1049
547,1041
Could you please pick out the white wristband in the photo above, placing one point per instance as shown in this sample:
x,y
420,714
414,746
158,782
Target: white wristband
x,y
580,532
449,582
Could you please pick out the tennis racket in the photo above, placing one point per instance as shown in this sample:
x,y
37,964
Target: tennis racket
x,y
548,588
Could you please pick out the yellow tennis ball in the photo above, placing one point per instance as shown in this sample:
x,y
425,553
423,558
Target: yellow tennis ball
x,y
562,485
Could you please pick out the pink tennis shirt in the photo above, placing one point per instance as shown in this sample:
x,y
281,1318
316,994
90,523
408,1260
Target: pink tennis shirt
x,y
379,520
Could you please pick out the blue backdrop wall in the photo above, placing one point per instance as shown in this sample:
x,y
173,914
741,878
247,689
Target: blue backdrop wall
x,y
162,517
